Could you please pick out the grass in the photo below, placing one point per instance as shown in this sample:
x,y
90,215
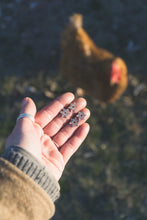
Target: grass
x,y
107,177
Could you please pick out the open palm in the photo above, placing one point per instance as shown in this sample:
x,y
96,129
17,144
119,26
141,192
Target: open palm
x,y
51,138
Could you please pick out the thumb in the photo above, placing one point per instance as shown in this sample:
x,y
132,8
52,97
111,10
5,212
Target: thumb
x,y
23,124
28,106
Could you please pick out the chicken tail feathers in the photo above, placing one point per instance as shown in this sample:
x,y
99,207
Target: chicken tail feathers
x,y
76,20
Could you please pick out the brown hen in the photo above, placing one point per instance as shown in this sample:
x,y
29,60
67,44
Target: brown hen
x,y
98,72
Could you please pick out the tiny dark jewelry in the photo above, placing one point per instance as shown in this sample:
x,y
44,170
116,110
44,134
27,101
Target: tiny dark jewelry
x,y
74,122
64,112
81,115
72,107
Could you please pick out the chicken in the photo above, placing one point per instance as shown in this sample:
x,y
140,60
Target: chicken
x,y
98,72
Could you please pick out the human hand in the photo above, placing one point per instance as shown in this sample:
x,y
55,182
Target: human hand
x,y
39,138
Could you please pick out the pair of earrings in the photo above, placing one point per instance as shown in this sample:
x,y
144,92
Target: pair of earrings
x,y
71,108
74,121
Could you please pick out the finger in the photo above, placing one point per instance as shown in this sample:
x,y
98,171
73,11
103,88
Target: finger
x,y
45,115
29,107
55,125
23,124
66,132
72,145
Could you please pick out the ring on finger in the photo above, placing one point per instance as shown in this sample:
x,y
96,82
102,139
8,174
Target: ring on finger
x,y
57,145
26,115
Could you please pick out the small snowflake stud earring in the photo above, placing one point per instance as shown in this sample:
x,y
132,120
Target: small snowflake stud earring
x,y
64,113
72,107
74,122
81,115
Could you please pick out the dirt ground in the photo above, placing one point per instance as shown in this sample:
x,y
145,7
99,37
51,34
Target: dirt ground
x,y
112,167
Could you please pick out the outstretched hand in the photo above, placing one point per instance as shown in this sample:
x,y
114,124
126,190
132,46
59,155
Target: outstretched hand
x,y
51,138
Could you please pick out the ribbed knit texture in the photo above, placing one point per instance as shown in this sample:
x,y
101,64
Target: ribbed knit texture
x,y
27,163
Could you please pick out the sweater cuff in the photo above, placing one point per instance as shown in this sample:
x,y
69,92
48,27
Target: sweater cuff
x,y
29,165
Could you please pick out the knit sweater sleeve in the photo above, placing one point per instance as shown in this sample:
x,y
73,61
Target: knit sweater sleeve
x,y
27,188
27,163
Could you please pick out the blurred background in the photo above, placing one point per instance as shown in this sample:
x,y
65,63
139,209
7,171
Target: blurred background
x,y
107,178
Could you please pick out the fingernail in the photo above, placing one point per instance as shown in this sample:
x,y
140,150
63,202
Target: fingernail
x,y
24,102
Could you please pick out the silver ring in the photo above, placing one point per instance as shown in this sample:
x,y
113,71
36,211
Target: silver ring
x,y
57,145
25,115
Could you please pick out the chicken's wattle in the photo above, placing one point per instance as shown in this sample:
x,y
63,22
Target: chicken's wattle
x,y
116,72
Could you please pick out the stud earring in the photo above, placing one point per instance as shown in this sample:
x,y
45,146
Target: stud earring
x,y
81,115
64,113
74,122
72,107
